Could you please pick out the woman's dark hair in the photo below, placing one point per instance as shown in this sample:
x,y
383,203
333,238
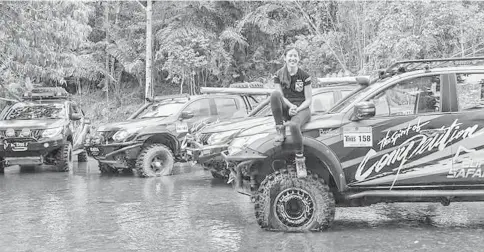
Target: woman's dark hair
x,y
283,73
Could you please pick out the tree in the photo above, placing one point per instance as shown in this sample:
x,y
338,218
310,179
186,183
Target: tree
x,y
46,41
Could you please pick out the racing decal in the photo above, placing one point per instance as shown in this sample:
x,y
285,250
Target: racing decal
x,y
181,127
466,164
421,142
357,137
329,132
392,138
16,146
299,86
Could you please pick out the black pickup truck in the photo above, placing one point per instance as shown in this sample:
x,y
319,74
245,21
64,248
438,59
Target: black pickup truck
x,y
414,133
154,137
45,127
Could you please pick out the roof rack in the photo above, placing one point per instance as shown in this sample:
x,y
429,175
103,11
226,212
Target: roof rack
x,y
247,85
341,81
46,93
412,65
243,91
168,97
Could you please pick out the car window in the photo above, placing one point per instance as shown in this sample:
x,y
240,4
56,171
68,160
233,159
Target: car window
x,y
265,111
416,95
254,100
226,107
322,102
199,108
160,110
469,91
345,93
26,111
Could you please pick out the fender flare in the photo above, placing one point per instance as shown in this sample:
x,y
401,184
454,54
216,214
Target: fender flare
x,y
144,137
268,147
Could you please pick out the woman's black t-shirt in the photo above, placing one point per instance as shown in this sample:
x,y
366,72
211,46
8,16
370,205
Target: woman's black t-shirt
x,y
295,91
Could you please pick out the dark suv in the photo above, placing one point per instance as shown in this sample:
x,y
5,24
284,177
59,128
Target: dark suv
x,y
154,137
215,138
46,127
414,133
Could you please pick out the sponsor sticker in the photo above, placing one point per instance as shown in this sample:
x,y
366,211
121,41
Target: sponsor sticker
x,y
357,137
299,86
181,127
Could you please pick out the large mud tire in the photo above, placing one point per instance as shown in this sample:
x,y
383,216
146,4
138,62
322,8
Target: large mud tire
x,y
82,157
63,157
2,166
154,161
286,203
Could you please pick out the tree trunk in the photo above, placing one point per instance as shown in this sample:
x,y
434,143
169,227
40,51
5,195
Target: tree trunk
x,y
106,28
181,83
148,87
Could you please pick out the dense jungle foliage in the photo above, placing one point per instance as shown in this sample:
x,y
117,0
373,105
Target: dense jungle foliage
x,y
97,49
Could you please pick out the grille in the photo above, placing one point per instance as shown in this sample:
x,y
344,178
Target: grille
x,y
204,138
34,133
108,136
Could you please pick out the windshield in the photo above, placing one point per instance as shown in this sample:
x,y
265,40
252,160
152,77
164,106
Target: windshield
x,y
160,110
265,111
356,94
23,111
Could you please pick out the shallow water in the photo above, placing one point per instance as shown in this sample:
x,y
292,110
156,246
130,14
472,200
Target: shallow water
x,y
43,210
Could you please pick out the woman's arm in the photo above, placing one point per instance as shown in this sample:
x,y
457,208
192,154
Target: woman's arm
x,y
308,94
286,101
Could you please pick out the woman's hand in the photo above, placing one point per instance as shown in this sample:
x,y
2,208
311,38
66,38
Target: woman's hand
x,y
293,110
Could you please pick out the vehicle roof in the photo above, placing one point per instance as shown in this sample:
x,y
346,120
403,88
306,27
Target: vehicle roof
x,y
380,83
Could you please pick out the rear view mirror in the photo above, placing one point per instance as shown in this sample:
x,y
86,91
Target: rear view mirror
x,y
187,114
364,110
75,116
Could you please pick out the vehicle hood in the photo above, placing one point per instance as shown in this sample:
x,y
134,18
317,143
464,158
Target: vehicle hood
x,y
241,123
323,121
31,124
134,123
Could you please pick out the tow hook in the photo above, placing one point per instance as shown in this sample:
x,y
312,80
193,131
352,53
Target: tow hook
x,y
445,201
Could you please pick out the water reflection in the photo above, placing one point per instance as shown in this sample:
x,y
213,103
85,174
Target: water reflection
x,y
189,211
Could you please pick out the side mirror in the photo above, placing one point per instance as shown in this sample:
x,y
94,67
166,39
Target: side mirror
x,y
75,116
187,114
364,110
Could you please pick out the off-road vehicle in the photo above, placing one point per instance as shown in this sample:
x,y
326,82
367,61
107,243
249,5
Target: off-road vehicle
x,y
45,127
155,137
213,139
412,134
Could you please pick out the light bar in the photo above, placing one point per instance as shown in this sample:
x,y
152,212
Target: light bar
x,y
248,91
247,85
167,97
46,93
363,80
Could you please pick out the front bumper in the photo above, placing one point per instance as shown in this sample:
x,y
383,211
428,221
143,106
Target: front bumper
x,y
241,156
28,152
114,154
204,153
239,161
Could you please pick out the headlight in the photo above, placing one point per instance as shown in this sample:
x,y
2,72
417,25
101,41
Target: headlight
x,y
52,132
241,143
123,134
221,138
